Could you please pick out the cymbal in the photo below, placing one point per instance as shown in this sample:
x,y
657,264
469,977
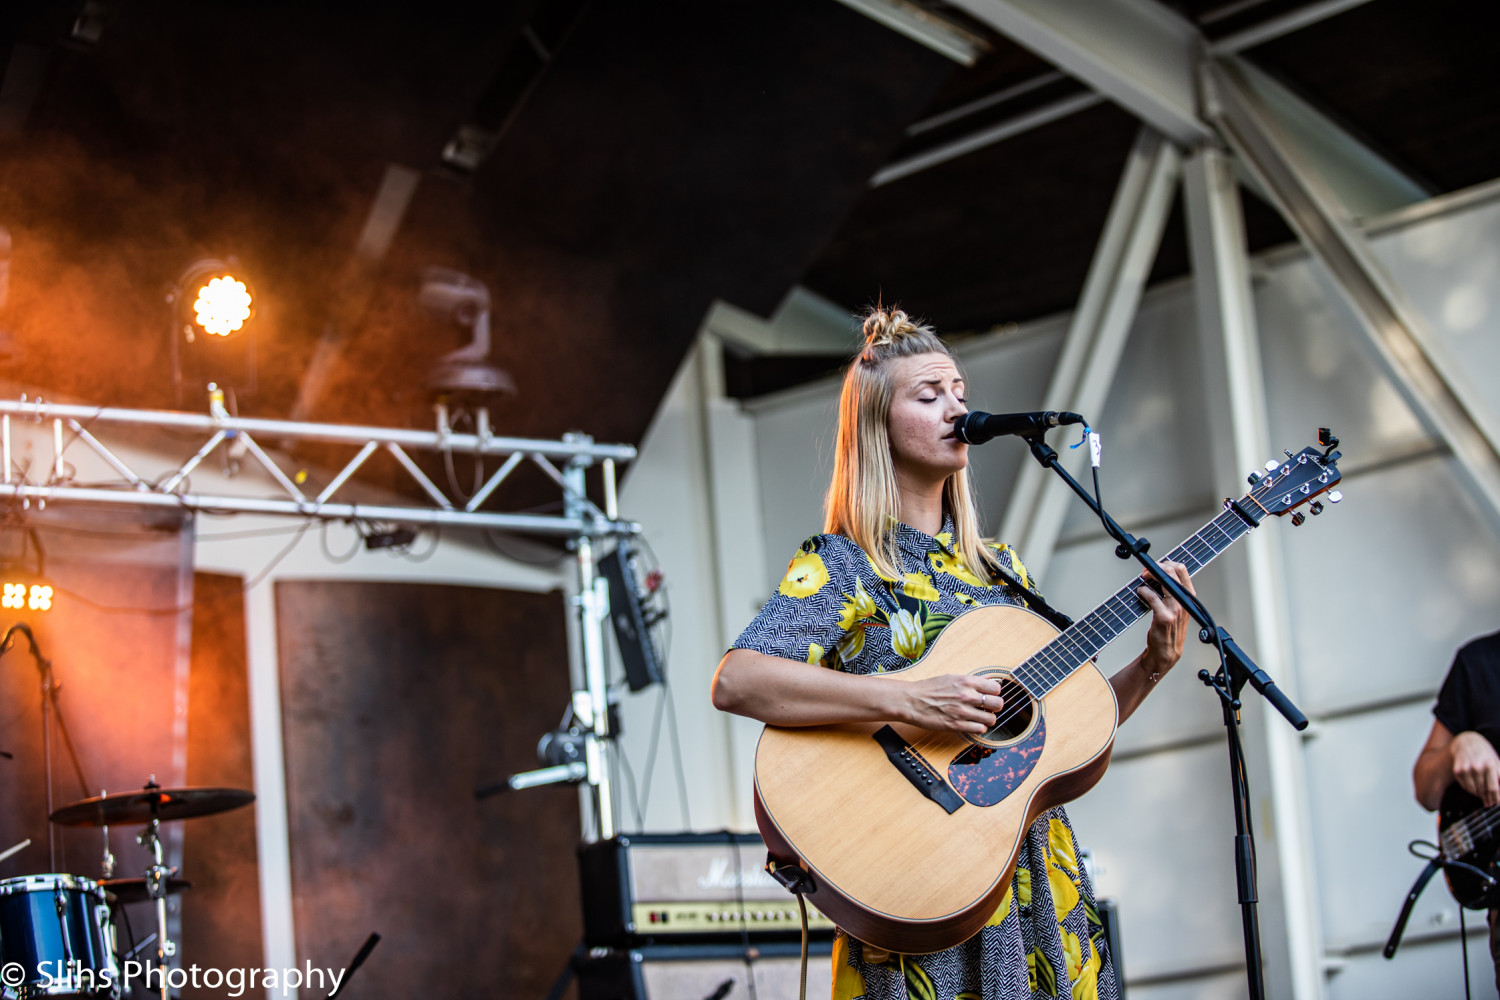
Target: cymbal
x,y
133,890
150,803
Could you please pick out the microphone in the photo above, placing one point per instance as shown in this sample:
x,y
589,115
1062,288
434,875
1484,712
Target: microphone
x,y
977,427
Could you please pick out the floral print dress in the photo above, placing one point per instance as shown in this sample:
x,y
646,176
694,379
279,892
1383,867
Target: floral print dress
x,y
832,608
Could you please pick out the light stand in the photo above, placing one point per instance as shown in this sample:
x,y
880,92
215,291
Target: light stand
x,y
1235,670
590,705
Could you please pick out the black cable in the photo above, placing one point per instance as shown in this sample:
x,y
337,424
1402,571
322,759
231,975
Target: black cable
x,y
489,537
359,541
650,769
682,792
405,552
1463,937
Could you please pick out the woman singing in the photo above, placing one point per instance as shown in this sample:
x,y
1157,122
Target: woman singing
x,y
901,545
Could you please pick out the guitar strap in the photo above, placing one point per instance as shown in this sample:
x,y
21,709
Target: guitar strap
x,y
1032,599
1411,900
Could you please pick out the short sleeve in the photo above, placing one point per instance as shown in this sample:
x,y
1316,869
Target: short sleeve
x,y
1455,697
805,618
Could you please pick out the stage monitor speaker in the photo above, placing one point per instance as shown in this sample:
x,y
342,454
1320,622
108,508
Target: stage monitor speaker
x,y
701,972
632,629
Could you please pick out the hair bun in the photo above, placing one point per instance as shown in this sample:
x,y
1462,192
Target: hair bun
x,y
884,326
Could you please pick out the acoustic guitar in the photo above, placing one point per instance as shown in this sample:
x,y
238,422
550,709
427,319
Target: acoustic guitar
x,y
1470,833
910,836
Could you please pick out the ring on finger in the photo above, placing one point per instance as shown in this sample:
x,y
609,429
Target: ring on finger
x,y
984,700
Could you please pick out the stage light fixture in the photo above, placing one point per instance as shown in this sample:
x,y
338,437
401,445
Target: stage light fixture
x,y
222,305
212,296
20,595
212,304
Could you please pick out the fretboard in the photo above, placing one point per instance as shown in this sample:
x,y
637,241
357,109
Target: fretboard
x,y
1082,641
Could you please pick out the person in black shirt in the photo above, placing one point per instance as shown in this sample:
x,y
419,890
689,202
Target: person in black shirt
x,y
1463,741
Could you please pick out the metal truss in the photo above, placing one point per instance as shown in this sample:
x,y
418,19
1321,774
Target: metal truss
x,y
241,437
583,522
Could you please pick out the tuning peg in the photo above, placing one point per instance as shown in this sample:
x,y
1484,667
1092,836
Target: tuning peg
x,y
1298,518
1254,478
1315,508
1334,496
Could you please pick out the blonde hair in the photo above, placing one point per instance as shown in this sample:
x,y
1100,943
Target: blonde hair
x,y
862,501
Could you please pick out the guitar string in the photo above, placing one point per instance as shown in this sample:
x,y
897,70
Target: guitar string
x,y
1491,820
1058,668
1132,608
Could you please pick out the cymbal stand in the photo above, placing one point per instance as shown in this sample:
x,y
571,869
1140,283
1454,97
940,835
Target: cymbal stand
x,y
156,887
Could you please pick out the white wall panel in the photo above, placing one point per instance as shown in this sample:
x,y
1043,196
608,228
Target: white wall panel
x,y
1449,267
1161,831
794,446
1421,969
1318,374
1224,986
1387,585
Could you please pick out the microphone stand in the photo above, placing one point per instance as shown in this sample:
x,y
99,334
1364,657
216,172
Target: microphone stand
x,y
1236,669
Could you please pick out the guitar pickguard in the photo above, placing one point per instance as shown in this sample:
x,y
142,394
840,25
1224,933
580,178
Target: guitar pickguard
x,y
986,775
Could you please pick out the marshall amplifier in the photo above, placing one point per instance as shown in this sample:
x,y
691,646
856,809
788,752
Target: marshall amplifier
x,y
769,971
661,888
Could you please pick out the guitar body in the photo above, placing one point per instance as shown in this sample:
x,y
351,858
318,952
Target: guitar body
x,y
1465,829
912,836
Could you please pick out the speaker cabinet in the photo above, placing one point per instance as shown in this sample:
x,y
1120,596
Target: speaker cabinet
x,y
705,972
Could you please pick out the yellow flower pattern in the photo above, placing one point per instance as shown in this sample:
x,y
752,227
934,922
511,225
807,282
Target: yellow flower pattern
x,y
860,605
805,576
919,585
906,635
1062,867
954,566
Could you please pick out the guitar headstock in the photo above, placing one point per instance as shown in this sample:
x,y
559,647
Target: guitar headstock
x,y
1283,487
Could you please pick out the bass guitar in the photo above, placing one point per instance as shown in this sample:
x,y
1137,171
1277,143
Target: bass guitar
x,y
1469,833
909,837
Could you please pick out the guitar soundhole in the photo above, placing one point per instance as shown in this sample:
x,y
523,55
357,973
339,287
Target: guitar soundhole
x,y
1015,718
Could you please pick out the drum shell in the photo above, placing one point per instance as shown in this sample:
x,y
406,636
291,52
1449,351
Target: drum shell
x,y
57,927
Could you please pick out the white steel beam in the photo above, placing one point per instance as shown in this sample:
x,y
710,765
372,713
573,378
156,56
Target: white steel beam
x,y
1233,372
951,40
1362,172
1137,53
1097,333
273,841
1424,372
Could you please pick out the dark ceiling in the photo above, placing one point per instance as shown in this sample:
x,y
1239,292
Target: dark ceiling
x,y
634,163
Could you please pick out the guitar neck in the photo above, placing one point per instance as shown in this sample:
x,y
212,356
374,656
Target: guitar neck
x,y
1081,642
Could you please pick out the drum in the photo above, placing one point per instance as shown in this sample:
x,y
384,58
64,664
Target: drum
x,y
56,939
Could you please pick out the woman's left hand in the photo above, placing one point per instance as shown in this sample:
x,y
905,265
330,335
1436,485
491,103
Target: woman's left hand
x,y
1170,623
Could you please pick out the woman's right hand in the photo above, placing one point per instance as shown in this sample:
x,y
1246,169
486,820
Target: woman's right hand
x,y
959,703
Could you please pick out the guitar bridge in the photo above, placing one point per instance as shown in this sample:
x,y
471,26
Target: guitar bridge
x,y
916,769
